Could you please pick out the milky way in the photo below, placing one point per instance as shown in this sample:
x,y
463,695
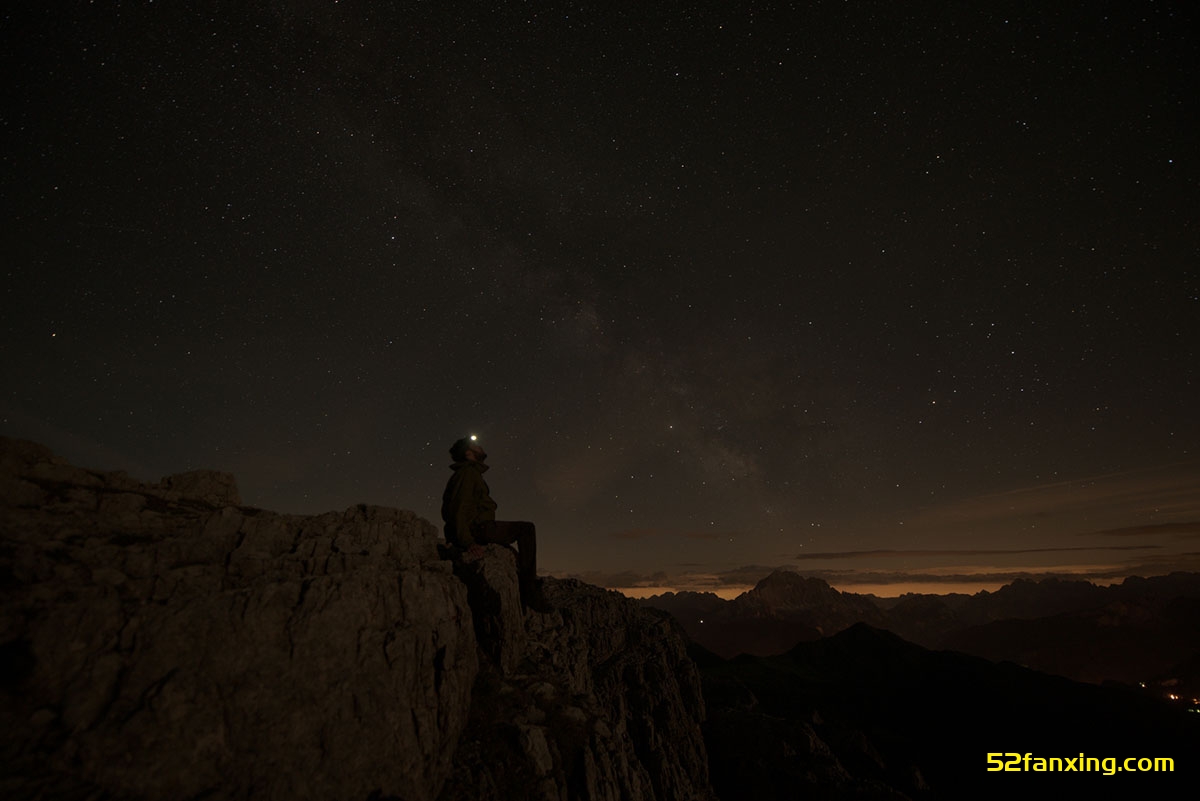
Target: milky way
x,y
716,288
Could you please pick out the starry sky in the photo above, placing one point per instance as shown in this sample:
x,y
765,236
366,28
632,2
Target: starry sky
x,y
895,294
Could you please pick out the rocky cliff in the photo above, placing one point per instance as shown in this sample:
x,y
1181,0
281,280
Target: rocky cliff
x,y
165,641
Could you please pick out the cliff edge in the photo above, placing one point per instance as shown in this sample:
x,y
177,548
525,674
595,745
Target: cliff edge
x,y
166,641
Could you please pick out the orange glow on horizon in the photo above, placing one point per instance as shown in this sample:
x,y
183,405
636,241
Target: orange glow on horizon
x,y
921,587
882,590
728,593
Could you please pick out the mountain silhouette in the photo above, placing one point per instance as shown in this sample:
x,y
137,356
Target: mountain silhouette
x,y
1143,630
872,716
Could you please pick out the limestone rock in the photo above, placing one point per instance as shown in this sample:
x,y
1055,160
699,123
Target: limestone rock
x,y
158,645
495,598
162,641
605,705
209,486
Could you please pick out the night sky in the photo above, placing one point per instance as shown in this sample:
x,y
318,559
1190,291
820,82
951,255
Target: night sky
x,y
886,292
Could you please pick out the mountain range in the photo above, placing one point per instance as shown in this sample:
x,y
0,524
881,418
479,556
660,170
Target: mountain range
x,y
1144,630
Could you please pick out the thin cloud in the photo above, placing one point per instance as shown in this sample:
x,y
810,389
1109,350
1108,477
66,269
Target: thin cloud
x,y
748,574
625,579
634,534
700,534
966,552
1162,490
1188,529
1098,573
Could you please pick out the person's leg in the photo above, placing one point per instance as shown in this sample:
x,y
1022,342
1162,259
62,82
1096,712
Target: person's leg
x,y
506,532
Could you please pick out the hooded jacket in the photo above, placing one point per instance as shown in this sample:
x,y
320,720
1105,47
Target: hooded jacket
x,y
465,502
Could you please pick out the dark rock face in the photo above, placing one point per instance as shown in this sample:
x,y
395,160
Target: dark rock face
x,y
162,641
171,647
495,601
601,702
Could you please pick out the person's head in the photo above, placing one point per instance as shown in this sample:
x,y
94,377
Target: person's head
x,y
467,449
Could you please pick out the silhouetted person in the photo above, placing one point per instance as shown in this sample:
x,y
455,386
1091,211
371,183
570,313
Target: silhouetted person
x,y
470,516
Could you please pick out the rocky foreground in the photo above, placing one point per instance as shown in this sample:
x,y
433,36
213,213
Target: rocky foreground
x,y
163,641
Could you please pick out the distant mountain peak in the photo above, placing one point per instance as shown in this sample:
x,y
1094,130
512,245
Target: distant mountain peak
x,y
785,589
785,576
